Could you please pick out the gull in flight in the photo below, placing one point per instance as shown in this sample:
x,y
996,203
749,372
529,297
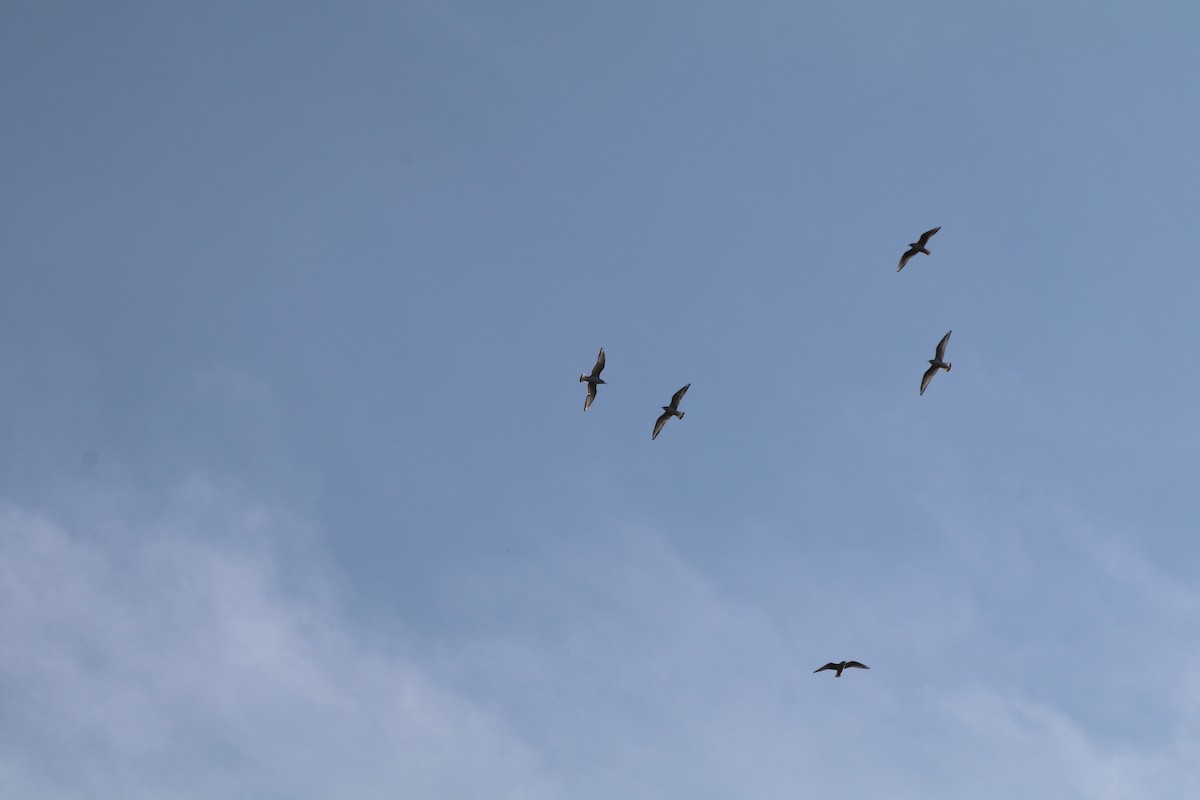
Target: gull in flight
x,y
670,411
936,362
917,247
593,380
841,666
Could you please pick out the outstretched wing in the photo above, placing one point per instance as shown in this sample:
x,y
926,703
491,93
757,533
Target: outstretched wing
x,y
830,665
658,426
675,398
596,370
929,373
941,348
927,235
909,253
856,664
591,395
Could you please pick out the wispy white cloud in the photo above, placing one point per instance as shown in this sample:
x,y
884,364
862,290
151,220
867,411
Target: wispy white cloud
x,y
162,663
1037,751
635,669
179,654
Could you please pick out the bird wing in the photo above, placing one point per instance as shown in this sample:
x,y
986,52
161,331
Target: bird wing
x,y
927,235
830,665
675,398
929,373
856,664
596,370
941,348
658,426
591,395
909,253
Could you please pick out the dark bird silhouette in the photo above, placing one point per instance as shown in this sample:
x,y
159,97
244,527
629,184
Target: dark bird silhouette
x,y
593,380
917,247
841,666
670,411
936,362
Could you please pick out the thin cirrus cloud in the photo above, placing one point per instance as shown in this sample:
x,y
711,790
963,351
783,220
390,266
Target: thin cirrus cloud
x,y
631,668
168,659
166,665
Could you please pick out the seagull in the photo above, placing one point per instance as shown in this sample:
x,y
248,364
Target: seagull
x,y
936,362
670,411
592,380
917,247
839,667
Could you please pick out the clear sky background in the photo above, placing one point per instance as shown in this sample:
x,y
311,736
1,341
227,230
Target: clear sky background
x,y
298,498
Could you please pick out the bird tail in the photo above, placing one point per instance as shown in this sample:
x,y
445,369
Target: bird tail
x,y
925,250
582,377
948,366
681,413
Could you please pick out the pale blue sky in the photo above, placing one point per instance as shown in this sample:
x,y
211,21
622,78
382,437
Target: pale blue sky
x,y
298,499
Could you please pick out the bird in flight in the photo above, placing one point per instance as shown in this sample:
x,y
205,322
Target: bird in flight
x,y
917,247
841,666
593,380
936,362
670,411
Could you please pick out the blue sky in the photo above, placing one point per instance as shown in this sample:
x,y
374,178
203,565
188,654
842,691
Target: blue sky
x,y
298,499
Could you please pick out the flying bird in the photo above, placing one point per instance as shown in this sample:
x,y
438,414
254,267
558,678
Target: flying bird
x,y
841,666
593,380
936,362
917,247
670,411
